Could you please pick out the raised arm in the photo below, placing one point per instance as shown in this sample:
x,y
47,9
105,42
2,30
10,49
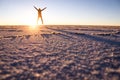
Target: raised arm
x,y
43,8
35,8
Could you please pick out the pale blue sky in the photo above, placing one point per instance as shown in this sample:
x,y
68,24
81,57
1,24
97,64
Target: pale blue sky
x,y
63,12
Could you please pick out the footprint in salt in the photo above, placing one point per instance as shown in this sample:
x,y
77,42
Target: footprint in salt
x,y
13,38
27,36
21,38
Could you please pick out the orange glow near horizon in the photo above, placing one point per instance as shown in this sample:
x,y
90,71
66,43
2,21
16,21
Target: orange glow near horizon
x,y
33,29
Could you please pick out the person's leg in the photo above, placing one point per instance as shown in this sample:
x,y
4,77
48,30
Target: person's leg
x,y
37,20
42,19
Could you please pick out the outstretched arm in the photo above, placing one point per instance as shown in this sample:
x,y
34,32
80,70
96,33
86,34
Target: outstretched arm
x,y
43,8
35,8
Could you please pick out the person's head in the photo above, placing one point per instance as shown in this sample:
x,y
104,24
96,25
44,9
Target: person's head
x,y
39,9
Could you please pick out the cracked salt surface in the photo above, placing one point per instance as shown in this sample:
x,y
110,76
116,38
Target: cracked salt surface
x,y
60,53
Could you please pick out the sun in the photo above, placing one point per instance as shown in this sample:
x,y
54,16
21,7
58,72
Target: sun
x,y
33,26
31,22
34,29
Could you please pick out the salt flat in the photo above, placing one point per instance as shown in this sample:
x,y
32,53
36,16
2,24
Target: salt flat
x,y
60,52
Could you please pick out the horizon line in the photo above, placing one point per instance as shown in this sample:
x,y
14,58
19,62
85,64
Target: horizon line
x,y
59,25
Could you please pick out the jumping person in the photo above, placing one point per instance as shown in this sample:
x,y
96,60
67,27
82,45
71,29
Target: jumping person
x,y
40,13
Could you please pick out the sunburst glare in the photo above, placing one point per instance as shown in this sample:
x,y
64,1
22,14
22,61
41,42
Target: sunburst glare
x,y
33,29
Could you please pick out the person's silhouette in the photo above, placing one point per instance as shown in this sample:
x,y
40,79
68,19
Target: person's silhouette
x,y
40,13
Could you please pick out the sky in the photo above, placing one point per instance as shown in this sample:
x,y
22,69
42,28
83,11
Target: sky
x,y
60,12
